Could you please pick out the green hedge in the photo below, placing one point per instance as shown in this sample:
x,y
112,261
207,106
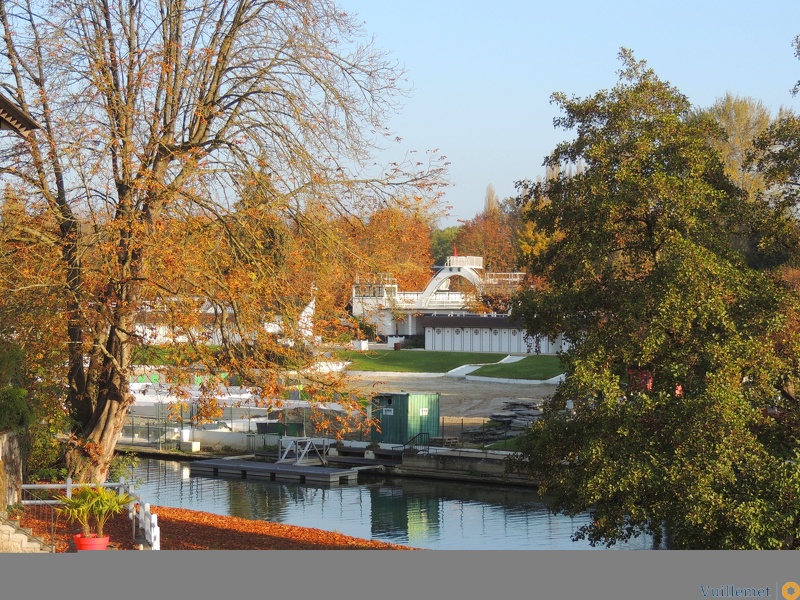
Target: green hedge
x,y
15,414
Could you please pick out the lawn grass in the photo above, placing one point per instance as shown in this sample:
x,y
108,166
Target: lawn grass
x,y
156,356
160,356
508,445
537,366
415,361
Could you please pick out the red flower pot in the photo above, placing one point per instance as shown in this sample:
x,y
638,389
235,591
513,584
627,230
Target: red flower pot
x,y
91,542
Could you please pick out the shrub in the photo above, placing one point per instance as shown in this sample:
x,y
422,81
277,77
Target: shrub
x,y
15,414
91,507
414,341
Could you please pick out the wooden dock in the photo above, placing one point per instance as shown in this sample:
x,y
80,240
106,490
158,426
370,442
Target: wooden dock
x,y
252,469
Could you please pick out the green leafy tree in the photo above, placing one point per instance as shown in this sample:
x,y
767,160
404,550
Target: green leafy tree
x,y
776,156
677,416
442,244
746,124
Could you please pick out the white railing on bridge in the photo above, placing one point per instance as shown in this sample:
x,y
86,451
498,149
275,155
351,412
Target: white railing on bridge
x,y
439,300
475,262
448,301
442,300
503,279
406,299
144,518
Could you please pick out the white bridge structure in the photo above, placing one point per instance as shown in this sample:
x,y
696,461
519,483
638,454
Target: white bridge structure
x,y
450,320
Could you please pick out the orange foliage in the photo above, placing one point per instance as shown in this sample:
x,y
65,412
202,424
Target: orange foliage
x,y
391,240
491,234
198,191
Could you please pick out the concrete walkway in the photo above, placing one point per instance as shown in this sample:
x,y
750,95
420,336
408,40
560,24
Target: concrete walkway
x,y
554,381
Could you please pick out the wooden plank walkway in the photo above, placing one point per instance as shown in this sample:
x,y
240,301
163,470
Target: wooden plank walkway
x,y
252,469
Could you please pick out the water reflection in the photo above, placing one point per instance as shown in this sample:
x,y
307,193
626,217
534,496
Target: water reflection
x,y
420,513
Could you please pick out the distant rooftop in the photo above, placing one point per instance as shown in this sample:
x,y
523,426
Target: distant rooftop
x,y
13,118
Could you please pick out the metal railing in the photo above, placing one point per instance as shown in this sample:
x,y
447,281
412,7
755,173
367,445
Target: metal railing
x,y
39,508
152,431
419,443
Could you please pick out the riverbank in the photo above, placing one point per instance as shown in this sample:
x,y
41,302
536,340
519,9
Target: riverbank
x,y
183,529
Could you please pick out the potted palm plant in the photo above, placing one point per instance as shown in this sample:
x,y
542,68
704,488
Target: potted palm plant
x,y
91,507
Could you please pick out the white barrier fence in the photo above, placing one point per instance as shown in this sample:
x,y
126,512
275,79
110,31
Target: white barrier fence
x,y
148,522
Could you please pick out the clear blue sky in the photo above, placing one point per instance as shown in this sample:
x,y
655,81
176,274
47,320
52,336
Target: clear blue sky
x,y
483,72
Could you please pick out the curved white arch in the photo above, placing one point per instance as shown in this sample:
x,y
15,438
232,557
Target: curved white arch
x,y
444,274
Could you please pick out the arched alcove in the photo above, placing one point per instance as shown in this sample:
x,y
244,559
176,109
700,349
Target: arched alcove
x,y
443,275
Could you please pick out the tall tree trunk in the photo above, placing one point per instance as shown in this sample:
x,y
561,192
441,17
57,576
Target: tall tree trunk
x,y
90,453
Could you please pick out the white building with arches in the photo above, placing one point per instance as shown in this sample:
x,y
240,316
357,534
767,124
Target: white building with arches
x,y
444,316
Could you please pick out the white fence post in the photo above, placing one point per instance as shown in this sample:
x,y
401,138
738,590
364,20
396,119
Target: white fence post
x,y
142,512
155,533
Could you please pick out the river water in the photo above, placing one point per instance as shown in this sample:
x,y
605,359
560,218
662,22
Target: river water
x,y
414,512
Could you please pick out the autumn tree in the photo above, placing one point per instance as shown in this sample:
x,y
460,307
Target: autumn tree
x,y
678,415
743,121
492,234
491,201
392,240
183,145
395,241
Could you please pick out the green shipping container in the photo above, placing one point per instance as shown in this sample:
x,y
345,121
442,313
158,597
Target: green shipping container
x,y
403,415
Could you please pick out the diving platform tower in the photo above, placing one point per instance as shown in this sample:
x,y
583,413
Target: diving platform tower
x,y
377,300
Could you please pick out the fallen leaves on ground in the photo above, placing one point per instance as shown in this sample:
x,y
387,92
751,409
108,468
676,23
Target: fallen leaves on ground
x,y
183,529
